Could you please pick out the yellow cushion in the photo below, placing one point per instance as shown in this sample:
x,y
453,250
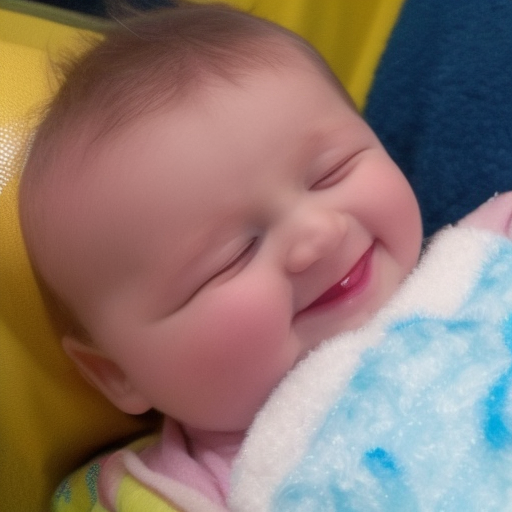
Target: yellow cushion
x,y
51,421
350,34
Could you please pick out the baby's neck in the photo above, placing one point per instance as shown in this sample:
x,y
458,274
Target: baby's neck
x,y
224,444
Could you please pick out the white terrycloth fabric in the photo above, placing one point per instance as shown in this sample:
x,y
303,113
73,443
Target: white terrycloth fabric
x,y
411,412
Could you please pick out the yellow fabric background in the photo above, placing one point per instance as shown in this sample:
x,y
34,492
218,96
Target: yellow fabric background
x,y
51,421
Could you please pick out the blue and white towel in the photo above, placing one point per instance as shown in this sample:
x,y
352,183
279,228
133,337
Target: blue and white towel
x,y
411,413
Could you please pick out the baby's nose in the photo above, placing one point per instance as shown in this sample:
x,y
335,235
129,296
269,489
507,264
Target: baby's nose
x,y
314,235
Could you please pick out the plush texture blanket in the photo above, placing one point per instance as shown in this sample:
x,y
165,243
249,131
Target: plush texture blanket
x,y
441,102
413,412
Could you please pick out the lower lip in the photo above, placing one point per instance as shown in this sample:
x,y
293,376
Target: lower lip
x,y
350,286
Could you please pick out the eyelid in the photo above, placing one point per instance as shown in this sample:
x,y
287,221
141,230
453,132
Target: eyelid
x,y
330,178
237,258
336,173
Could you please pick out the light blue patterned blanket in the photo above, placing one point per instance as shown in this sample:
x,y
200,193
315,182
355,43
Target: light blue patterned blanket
x,y
411,413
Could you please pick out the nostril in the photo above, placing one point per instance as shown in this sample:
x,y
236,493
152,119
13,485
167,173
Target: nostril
x,y
303,256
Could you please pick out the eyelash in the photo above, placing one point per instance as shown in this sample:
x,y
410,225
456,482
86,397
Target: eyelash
x,y
236,259
337,174
232,263
330,179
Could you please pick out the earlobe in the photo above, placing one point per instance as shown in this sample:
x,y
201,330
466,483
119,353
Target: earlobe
x,y
105,375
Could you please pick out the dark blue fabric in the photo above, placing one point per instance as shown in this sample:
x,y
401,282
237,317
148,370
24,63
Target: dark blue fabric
x,y
441,103
102,7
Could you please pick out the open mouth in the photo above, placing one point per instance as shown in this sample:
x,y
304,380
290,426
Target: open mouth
x,y
350,284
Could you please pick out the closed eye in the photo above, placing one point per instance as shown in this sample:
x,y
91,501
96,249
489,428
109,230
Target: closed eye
x,y
337,173
240,258
237,259
329,179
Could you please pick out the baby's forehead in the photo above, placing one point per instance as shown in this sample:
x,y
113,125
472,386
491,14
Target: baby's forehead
x,y
203,97
137,133
93,162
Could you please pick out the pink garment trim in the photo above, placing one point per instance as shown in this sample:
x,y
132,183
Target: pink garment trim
x,y
201,460
181,496
127,462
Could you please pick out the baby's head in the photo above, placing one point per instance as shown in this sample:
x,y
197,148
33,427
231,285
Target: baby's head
x,y
206,202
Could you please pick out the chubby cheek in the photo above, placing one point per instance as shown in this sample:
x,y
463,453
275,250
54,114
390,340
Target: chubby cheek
x,y
227,350
393,215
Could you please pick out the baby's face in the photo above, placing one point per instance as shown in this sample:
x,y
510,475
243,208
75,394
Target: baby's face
x,y
231,235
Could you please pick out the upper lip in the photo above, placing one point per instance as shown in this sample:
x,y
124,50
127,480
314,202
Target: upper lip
x,y
344,286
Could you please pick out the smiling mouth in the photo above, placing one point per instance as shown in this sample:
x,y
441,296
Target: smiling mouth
x,y
349,286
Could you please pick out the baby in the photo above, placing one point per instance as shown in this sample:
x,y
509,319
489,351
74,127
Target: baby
x,y
206,205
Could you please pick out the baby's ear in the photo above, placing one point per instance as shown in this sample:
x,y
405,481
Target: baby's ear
x,y
105,375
